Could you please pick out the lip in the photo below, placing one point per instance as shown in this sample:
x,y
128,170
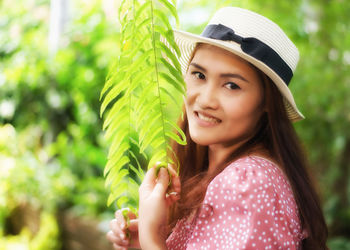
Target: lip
x,y
204,123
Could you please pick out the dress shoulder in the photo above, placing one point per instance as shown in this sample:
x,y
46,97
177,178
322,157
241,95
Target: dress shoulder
x,y
251,171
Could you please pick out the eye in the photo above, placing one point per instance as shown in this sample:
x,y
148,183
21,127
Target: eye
x,y
198,75
232,85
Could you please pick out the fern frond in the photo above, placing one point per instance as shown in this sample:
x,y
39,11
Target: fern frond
x,y
140,88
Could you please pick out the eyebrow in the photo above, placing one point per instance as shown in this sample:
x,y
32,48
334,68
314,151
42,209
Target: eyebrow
x,y
221,75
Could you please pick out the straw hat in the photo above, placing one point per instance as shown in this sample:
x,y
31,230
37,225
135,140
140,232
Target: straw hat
x,y
254,38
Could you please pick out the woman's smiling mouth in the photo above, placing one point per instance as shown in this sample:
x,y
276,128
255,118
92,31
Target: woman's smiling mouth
x,y
205,119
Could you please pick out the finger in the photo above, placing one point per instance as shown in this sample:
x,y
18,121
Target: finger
x,y
133,226
131,215
172,170
175,180
172,198
118,232
176,184
127,216
116,240
175,189
111,237
120,218
150,178
116,247
162,182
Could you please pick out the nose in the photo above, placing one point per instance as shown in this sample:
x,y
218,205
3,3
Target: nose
x,y
208,96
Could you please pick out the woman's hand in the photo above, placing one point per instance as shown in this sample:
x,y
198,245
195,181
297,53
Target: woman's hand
x,y
122,234
155,198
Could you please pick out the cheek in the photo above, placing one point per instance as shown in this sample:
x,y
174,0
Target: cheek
x,y
190,94
245,111
188,101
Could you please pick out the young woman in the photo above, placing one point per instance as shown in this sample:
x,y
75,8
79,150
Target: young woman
x,y
242,181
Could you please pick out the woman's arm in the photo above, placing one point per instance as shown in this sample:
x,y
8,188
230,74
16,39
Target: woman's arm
x,y
153,207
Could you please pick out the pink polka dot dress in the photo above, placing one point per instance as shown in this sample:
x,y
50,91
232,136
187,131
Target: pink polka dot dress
x,y
249,205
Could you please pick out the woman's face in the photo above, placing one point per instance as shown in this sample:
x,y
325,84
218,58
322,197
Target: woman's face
x,y
224,97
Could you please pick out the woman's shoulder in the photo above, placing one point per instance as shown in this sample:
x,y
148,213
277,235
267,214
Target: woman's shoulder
x,y
252,171
253,183
254,165
253,162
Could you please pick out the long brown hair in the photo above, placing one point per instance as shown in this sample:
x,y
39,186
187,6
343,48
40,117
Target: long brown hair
x,y
276,134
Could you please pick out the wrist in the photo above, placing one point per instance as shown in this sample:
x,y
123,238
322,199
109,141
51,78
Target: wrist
x,y
153,239
153,244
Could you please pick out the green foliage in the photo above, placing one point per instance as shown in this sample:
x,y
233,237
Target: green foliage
x,y
140,88
26,180
45,238
339,243
52,150
55,99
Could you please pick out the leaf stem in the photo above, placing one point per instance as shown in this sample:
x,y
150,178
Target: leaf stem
x,y
157,78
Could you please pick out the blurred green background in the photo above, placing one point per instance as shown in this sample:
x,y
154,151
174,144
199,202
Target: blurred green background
x,y
54,57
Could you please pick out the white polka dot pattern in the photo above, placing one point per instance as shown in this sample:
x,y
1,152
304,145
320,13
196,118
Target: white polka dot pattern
x,y
250,205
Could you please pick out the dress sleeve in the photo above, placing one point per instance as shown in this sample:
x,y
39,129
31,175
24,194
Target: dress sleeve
x,y
249,205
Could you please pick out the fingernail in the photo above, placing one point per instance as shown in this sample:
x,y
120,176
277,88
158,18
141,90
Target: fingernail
x,y
122,236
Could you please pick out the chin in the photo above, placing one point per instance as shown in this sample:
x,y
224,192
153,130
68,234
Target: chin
x,y
201,140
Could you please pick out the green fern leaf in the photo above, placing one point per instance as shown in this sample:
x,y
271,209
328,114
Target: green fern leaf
x,y
142,86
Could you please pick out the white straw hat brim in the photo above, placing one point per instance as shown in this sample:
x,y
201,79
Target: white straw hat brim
x,y
187,41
